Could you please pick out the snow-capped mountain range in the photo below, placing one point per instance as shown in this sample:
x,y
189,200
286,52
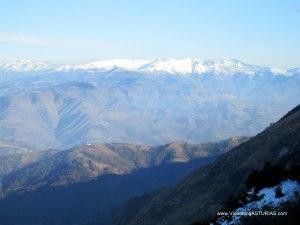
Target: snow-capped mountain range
x,y
43,105
163,65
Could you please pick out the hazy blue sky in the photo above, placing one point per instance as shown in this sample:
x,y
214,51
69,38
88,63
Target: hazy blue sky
x,y
264,32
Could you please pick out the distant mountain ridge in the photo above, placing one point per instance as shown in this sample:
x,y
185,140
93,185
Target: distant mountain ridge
x,y
93,160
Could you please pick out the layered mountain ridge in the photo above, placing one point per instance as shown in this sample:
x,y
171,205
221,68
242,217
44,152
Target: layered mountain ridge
x,y
46,187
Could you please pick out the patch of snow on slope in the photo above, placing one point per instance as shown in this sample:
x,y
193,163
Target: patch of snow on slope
x,y
278,71
268,198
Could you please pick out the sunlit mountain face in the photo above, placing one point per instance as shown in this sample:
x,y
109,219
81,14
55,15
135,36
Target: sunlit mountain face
x,y
44,105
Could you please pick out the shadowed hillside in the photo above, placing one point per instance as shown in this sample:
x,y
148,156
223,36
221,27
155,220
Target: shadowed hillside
x,y
87,182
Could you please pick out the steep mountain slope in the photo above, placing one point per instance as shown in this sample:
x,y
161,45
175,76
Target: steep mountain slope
x,y
88,181
201,194
148,102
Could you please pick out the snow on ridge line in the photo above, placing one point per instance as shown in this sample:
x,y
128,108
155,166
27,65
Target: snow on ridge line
x,y
185,66
170,66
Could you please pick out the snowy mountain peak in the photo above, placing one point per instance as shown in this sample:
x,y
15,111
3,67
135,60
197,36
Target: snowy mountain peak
x,y
168,65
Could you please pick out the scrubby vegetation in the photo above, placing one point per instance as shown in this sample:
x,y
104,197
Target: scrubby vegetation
x,y
270,176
